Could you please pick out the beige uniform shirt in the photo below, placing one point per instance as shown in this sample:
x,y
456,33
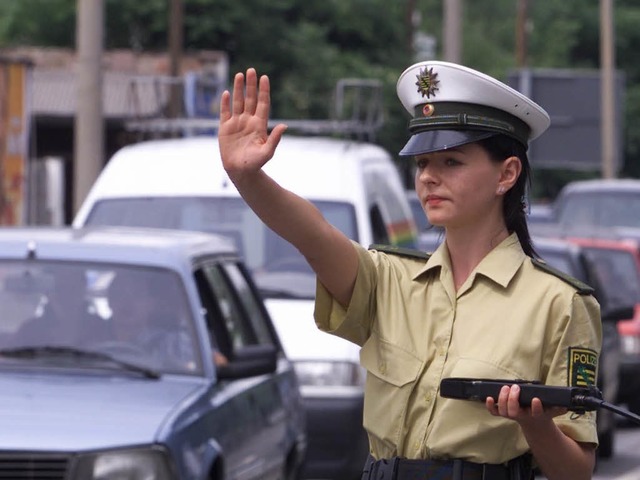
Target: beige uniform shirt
x,y
510,320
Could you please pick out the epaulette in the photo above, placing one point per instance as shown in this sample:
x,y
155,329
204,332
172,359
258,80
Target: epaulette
x,y
405,252
581,287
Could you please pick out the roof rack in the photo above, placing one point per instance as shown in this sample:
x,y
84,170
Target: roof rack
x,y
358,109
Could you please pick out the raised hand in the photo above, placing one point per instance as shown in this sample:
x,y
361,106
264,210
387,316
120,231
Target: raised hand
x,y
244,140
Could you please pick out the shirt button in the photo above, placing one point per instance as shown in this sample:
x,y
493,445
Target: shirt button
x,y
383,368
428,397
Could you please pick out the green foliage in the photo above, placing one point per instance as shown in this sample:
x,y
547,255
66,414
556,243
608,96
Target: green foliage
x,y
305,46
37,22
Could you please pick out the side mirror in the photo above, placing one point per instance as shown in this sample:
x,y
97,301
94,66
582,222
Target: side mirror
x,y
250,361
616,314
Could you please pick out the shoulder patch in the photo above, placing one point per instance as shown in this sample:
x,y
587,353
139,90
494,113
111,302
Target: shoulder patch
x,y
583,364
581,287
404,252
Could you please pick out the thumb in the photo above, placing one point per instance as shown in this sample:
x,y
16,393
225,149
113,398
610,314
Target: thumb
x,y
275,136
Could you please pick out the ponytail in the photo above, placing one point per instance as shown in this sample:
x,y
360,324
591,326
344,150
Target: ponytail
x,y
501,147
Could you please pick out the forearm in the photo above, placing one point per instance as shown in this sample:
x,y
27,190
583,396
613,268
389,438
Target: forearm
x,y
328,251
292,217
559,456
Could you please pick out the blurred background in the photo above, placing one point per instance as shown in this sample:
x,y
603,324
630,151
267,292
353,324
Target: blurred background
x,y
79,79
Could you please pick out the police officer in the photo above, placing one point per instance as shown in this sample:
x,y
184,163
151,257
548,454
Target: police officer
x,y
480,306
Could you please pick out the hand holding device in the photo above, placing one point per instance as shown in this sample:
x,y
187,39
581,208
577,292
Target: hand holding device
x,y
577,399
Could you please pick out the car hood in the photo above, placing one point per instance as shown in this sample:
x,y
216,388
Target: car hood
x,y
41,412
301,338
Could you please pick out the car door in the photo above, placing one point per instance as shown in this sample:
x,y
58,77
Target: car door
x,y
254,445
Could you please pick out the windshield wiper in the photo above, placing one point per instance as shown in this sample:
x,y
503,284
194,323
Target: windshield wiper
x,y
48,350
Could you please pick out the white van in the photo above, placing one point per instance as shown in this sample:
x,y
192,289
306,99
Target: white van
x,y
180,184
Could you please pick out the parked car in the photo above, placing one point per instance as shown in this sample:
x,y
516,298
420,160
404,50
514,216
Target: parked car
x,y
598,203
355,185
539,213
427,234
136,354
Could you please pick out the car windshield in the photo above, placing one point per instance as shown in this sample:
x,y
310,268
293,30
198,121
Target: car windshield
x,y
71,314
278,268
601,209
617,275
559,260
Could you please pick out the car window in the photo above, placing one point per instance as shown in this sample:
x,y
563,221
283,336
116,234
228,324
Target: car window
x,y
418,213
559,260
277,266
617,274
223,303
604,209
250,302
134,314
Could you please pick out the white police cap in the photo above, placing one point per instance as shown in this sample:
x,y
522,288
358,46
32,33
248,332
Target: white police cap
x,y
452,105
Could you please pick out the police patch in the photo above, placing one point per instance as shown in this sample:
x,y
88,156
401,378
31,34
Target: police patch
x,y
583,363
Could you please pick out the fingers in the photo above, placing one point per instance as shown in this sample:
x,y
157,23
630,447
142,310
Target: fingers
x,y
264,98
253,100
238,94
225,107
251,95
507,404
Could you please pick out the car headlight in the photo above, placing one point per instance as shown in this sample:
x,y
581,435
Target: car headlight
x,y
323,373
139,464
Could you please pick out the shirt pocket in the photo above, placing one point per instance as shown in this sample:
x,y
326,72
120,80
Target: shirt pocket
x,y
392,375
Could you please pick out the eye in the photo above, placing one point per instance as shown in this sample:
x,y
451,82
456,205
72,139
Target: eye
x,y
421,163
452,162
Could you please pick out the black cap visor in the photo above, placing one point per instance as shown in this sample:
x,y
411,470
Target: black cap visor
x,y
435,140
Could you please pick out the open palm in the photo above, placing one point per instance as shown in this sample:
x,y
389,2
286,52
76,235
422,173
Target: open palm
x,y
244,140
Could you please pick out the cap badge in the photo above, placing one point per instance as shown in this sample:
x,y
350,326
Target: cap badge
x,y
428,109
427,82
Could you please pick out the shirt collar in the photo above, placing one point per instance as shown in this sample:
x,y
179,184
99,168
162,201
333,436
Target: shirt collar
x,y
500,264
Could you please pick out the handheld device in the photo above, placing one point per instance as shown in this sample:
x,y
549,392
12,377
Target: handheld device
x,y
577,399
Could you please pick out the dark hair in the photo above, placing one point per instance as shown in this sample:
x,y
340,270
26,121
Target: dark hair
x,y
500,147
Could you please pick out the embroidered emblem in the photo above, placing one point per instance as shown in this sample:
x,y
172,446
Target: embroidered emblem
x,y
427,82
428,110
583,364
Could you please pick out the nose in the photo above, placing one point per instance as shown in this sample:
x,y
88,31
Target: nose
x,y
428,174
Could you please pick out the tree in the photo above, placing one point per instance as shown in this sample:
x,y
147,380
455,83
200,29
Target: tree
x,y
306,46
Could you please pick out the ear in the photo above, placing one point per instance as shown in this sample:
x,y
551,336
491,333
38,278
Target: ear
x,y
509,173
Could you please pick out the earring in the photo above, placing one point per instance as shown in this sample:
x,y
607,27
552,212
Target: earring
x,y
500,190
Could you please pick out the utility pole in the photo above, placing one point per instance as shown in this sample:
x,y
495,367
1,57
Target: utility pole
x,y
176,26
89,123
452,30
521,34
607,89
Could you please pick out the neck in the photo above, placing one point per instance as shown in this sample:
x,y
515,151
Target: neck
x,y
466,249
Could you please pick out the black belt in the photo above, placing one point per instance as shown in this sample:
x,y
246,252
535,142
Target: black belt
x,y
397,468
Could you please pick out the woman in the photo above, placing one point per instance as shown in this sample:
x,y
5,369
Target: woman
x,y
481,306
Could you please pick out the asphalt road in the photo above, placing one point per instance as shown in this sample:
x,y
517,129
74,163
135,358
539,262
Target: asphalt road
x,y
625,462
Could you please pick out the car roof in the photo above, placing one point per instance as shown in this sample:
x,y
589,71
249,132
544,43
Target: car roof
x,y
317,167
603,185
139,246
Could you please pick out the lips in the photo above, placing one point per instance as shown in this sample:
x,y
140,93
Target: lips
x,y
433,200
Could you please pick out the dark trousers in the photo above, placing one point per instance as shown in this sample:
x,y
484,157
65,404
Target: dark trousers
x,y
397,468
